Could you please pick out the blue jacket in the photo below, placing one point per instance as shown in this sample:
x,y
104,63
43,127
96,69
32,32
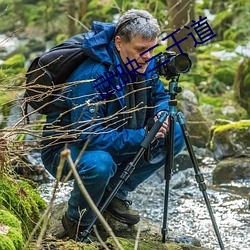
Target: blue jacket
x,y
101,124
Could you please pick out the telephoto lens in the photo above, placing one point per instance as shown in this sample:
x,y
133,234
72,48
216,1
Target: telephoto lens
x,y
175,64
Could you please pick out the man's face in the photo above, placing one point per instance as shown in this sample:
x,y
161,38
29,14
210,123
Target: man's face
x,y
133,49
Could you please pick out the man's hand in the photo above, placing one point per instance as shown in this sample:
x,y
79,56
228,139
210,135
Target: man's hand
x,y
164,128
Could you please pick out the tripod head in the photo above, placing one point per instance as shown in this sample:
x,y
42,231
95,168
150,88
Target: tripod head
x,y
170,65
174,89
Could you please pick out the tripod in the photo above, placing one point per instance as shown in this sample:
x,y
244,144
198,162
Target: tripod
x,y
169,163
173,90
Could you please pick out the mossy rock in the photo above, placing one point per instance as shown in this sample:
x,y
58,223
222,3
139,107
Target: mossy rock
x,y
128,244
10,231
231,169
22,200
150,235
232,139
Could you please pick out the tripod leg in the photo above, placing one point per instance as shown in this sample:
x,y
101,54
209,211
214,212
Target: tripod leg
x,y
168,173
199,177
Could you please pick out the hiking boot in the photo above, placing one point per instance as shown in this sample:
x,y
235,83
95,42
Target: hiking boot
x,y
121,211
75,231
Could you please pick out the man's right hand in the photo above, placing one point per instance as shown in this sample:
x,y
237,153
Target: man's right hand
x,y
164,128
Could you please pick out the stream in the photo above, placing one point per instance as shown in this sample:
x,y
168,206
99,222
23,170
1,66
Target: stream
x,y
187,212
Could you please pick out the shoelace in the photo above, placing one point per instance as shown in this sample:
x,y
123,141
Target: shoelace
x,y
127,203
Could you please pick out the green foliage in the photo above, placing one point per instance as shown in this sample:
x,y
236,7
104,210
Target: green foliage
x,y
222,22
16,61
242,84
12,67
228,45
214,101
60,38
231,18
212,74
224,75
219,102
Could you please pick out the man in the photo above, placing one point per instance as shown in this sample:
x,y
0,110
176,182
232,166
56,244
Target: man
x,y
109,99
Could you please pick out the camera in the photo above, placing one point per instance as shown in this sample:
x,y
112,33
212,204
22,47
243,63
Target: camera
x,y
177,64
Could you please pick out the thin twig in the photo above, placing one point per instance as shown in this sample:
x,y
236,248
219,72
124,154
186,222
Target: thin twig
x,y
137,236
99,238
66,154
77,21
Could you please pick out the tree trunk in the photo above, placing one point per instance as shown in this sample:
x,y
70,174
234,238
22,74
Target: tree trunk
x,y
83,8
181,13
72,14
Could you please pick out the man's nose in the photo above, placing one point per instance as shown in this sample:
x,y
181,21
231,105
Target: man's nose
x,y
146,55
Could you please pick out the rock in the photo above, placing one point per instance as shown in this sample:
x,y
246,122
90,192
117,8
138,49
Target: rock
x,y
181,179
229,140
227,110
197,125
149,238
231,169
188,95
206,109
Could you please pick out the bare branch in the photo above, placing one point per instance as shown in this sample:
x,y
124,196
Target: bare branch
x,y
66,154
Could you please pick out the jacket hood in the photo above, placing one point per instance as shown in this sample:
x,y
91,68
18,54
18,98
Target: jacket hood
x,y
98,43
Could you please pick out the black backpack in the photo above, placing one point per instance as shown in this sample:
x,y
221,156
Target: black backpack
x,y
47,74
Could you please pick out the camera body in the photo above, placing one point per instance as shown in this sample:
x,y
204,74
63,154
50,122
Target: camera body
x,y
174,65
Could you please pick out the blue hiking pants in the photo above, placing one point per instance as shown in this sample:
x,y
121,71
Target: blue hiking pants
x,y
100,170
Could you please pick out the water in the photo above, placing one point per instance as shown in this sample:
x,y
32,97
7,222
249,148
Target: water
x,y
188,215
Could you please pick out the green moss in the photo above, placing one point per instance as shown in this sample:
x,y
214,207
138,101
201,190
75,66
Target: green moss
x,y
236,125
128,244
16,237
6,243
9,219
212,100
22,200
239,128
13,238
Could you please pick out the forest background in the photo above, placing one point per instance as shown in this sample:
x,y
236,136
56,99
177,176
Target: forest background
x,y
220,73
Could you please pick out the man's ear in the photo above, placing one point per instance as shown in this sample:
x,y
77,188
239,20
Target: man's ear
x,y
118,43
